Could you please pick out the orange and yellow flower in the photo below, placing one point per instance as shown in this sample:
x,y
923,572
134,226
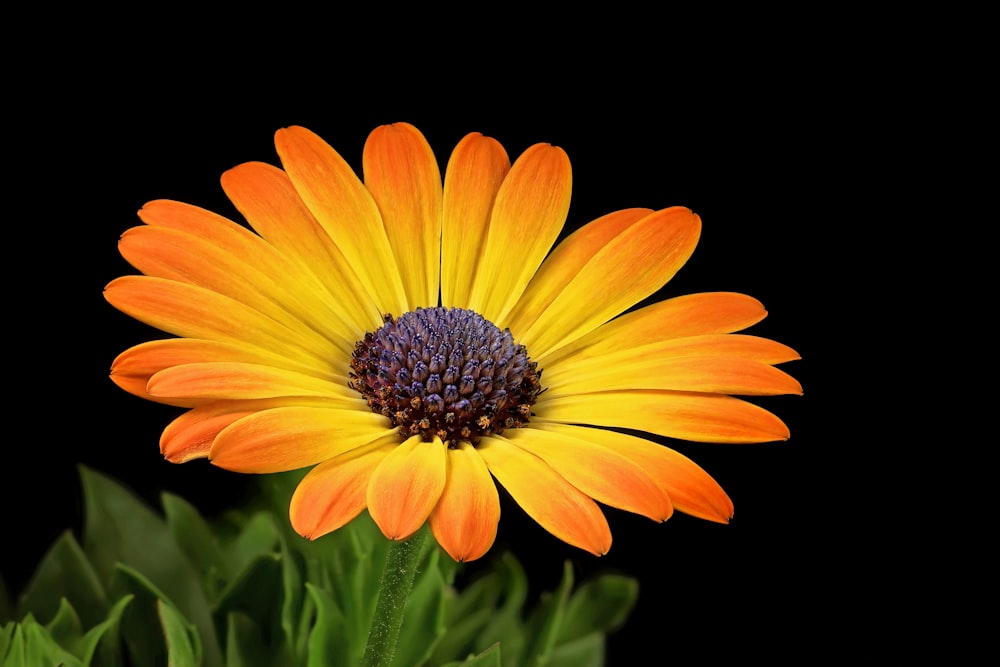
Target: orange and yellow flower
x,y
412,341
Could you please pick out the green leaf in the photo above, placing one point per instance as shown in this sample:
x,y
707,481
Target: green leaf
x,y
65,572
65,627
245,646
488,658
600,605
506,624
586,651
543,628
258,536
423,618
6,636
6,606
102,643
329,643
255,592
119,528
195,538
33,645
181,636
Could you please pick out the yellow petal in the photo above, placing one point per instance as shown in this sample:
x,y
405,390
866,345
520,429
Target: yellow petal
x,y
402,175
529,211
475,171
195,312
346,210
557,506
566,261
682,316
267,199
691,489
406,486
288,438
603,474
333,493
464,521
630,267
240,381
686,416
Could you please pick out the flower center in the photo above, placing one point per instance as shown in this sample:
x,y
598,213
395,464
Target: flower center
x,y
445,372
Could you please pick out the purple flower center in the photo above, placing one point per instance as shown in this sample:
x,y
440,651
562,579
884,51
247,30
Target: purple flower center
x,y
445,372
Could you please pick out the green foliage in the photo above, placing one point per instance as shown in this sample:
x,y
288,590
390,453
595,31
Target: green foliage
x,y
246,591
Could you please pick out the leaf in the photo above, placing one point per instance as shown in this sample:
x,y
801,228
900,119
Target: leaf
x,y
255,593
102,643
600,605
488,658
505,626
119,528
6,606
586,651
181,637
65,627
244,646
64,571
423,617
195,538
543,628
32,645
329,643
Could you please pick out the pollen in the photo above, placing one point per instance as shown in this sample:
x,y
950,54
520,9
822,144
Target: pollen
x,y
445,372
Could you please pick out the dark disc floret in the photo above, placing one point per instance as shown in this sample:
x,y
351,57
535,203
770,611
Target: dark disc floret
x,y
445,372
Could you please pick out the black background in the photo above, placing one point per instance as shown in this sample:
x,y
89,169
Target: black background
x,y
751,152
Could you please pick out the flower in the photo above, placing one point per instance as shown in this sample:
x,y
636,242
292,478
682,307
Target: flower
x,y
410,341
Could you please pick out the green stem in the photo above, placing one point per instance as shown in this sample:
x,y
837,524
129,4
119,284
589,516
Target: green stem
x,y
394,590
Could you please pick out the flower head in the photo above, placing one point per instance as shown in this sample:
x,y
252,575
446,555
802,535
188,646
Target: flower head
x,y
413,341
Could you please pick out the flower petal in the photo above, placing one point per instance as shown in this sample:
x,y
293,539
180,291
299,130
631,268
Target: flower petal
x,y
402,175
630,267
529,211
223,380
603,474
464,521
557,506
566,261
195,312
288,438
267,199
691,489
682,415
333,493
406,486
475,171
346,210
679,317
191,435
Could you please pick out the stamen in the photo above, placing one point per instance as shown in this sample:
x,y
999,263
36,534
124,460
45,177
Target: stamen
x,y
445,372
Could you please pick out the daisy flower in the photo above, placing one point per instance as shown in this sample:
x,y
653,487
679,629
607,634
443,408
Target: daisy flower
x,y
414,342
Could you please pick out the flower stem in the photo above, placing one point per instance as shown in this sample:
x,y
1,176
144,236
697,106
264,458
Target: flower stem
x,y
394,590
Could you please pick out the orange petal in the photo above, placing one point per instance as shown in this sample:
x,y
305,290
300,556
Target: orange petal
x,y
288,438
402,175
475,171
566,261
191,435
224,380
691,489
195,312
267,199
406,486
464,521
687,416
682,316
529,211
557,506
132,368
635,369
333,493
346,210
603,474
630,267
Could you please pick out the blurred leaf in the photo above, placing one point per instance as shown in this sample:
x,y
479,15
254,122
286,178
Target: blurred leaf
x,y
244,644
586,651
296,610
488,658
65,627
600,605
119,528
102,643
423,618
6,606
6,635
258,536
505,625
64,571
195,538
329,643
181,637
32,645
543,628
255,592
